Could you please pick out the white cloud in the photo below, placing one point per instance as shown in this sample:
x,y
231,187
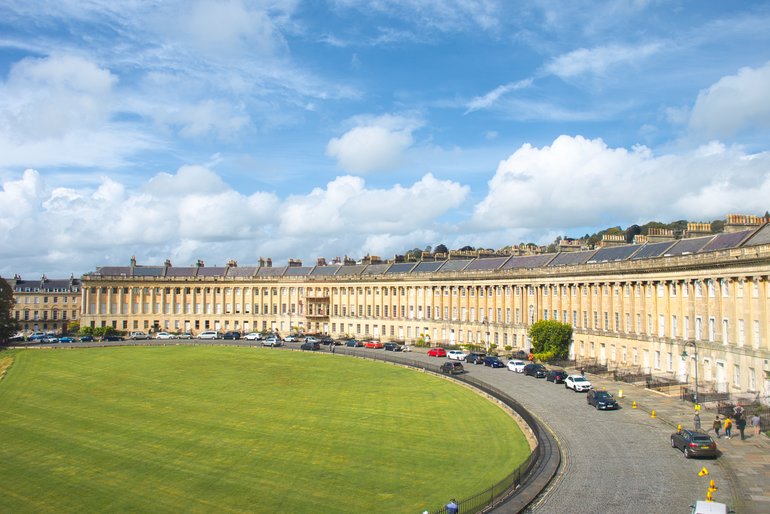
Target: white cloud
x,y
482,102
193,214
577,182
597,61
734,104
56,111
375,144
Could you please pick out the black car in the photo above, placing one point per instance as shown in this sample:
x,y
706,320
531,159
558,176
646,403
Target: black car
x,y
557,376
602,400
535,370
310,345
86,339
452,368
493,361
392,347
520,355
112,337
475,358
352,343
232,335
694,443
328,341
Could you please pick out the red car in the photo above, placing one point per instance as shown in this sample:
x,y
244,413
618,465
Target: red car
x,y
374,344
436,352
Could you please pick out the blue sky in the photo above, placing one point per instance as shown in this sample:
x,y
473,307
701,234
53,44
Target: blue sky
x,y
236,129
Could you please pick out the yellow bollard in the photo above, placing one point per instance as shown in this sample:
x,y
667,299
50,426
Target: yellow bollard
x,y
678,428
620,394
703,472
653,415
708,496
633,405
712,486
697,407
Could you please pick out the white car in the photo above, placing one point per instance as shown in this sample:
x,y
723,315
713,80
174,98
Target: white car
x,y
406,348
253,336
516,366
577,383
163,335
185,335
138,335
209,334
291,338
457,355
271,341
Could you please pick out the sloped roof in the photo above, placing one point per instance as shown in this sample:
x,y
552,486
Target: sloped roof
x,y
487,263
401,267
614,253
569,258
650,250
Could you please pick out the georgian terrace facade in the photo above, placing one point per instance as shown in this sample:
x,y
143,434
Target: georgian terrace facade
x,y
631,306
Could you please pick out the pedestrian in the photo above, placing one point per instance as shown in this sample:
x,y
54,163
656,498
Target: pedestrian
x,y
756,423
728,427
741,424
717,425
332,347
452,507
582,372
738,411
696,421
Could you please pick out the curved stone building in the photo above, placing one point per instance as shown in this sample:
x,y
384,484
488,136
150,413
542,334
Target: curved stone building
x,y
648,307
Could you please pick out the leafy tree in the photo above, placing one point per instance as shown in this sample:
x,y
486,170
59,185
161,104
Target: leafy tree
x,y
467,249
8,325
550,339
441,249
73,327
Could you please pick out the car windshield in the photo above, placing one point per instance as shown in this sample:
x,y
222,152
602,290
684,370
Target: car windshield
x,y
579,379
603,395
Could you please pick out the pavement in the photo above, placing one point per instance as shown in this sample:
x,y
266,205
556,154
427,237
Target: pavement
x,y
745,463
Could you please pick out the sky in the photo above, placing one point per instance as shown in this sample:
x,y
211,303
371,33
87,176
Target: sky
x,y
238,129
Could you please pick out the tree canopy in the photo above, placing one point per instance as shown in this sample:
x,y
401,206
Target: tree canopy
x,y
550,339
8,325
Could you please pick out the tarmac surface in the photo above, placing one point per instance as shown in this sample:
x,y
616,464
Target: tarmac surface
x,y
613,461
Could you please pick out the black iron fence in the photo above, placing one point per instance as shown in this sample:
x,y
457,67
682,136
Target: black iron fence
x,y
510,485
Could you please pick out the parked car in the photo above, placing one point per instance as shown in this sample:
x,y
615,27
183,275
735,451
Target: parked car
x,y
373,344
436,352
184,335
310,345
138,335
475,358
233,334
209,334
328,341
535,370
516,366
406,348
577,383
354,343
694,443
520,355
253,336
602,400
493,361
86,339
452,368
112,337
163,335
49,338
292,338
392,347
273,341
457,355
557,376
66,339
312,339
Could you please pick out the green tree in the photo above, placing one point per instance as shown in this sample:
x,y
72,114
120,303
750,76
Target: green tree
x,y
550,339
8,325
73,327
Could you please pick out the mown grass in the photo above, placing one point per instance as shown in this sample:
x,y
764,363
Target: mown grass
x,y
205,429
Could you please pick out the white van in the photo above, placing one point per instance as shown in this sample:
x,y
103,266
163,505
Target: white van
x,y
209,334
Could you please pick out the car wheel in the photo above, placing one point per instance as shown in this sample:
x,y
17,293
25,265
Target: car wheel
x,y
687,454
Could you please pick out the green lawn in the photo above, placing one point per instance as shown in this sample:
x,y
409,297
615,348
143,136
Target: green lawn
x,y
205,429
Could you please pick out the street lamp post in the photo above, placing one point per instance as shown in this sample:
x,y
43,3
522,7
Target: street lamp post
x,y
684,356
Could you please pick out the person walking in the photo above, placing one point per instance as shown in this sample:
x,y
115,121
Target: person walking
x,y
756,423
741,424
728,427
717,425
452,507
696,421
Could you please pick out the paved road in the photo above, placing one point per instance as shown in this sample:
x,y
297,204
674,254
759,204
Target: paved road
x,y
615,461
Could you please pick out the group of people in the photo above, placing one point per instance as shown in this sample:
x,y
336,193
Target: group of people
x,y
737,420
